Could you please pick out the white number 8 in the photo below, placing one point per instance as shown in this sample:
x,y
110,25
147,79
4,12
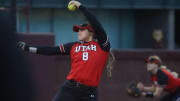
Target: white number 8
x,y
85,56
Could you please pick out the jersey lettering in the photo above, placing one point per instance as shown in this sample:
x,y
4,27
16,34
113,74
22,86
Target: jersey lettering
x,y
85,48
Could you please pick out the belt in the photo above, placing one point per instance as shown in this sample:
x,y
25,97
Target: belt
x,y
82,86
177,90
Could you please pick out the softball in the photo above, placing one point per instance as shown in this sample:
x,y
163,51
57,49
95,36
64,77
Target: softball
x,y
72,7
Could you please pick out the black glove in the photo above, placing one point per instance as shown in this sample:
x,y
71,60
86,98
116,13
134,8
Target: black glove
x,y
133,91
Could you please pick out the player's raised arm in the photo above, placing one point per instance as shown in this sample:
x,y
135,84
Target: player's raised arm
x,y
63,49
99,31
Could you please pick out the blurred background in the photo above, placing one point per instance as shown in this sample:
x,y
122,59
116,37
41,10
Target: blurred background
x,y
136,30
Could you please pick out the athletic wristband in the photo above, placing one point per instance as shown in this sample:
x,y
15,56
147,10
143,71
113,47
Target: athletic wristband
x,y
149,95
33,49
28,48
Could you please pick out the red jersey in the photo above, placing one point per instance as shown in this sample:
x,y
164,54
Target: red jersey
x,y
88,60
167,80
87,63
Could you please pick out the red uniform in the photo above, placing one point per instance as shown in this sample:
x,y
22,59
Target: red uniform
x,y
87,63
167,80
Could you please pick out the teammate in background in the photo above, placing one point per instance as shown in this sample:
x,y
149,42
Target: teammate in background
x,y
88,58
163,80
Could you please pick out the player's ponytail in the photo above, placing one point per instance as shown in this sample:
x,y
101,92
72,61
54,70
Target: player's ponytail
x,y
110,64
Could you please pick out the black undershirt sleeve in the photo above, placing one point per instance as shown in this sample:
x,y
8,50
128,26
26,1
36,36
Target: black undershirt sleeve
x,y
100,34
62,49
47,50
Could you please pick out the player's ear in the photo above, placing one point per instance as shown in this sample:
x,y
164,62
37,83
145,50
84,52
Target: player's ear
x,y
91,33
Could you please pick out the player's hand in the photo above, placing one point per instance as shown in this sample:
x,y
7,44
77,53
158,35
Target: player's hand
x,y
133,91
143,94
76,3
140,85
21,45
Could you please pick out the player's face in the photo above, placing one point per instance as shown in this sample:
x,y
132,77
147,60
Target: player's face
x,y
151,66
84,35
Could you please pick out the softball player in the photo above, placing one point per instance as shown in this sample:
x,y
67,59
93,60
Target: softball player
x,y
88,58
163,80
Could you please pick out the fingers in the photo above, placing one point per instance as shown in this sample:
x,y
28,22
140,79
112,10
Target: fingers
x,y
140,86
70,2
140,83
143,94
21,45
76,3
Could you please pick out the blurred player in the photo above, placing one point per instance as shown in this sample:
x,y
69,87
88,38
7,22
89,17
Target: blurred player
x,y
163,80
88,58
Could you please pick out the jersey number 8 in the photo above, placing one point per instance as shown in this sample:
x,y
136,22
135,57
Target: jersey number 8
x,y
85,56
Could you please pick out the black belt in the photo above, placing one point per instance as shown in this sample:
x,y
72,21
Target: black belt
x,y
82,86
177,90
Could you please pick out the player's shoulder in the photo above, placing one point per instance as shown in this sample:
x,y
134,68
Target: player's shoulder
x,y
162,73
162,77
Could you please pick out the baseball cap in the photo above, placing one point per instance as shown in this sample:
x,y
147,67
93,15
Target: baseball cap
x,y
153,59
76,28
